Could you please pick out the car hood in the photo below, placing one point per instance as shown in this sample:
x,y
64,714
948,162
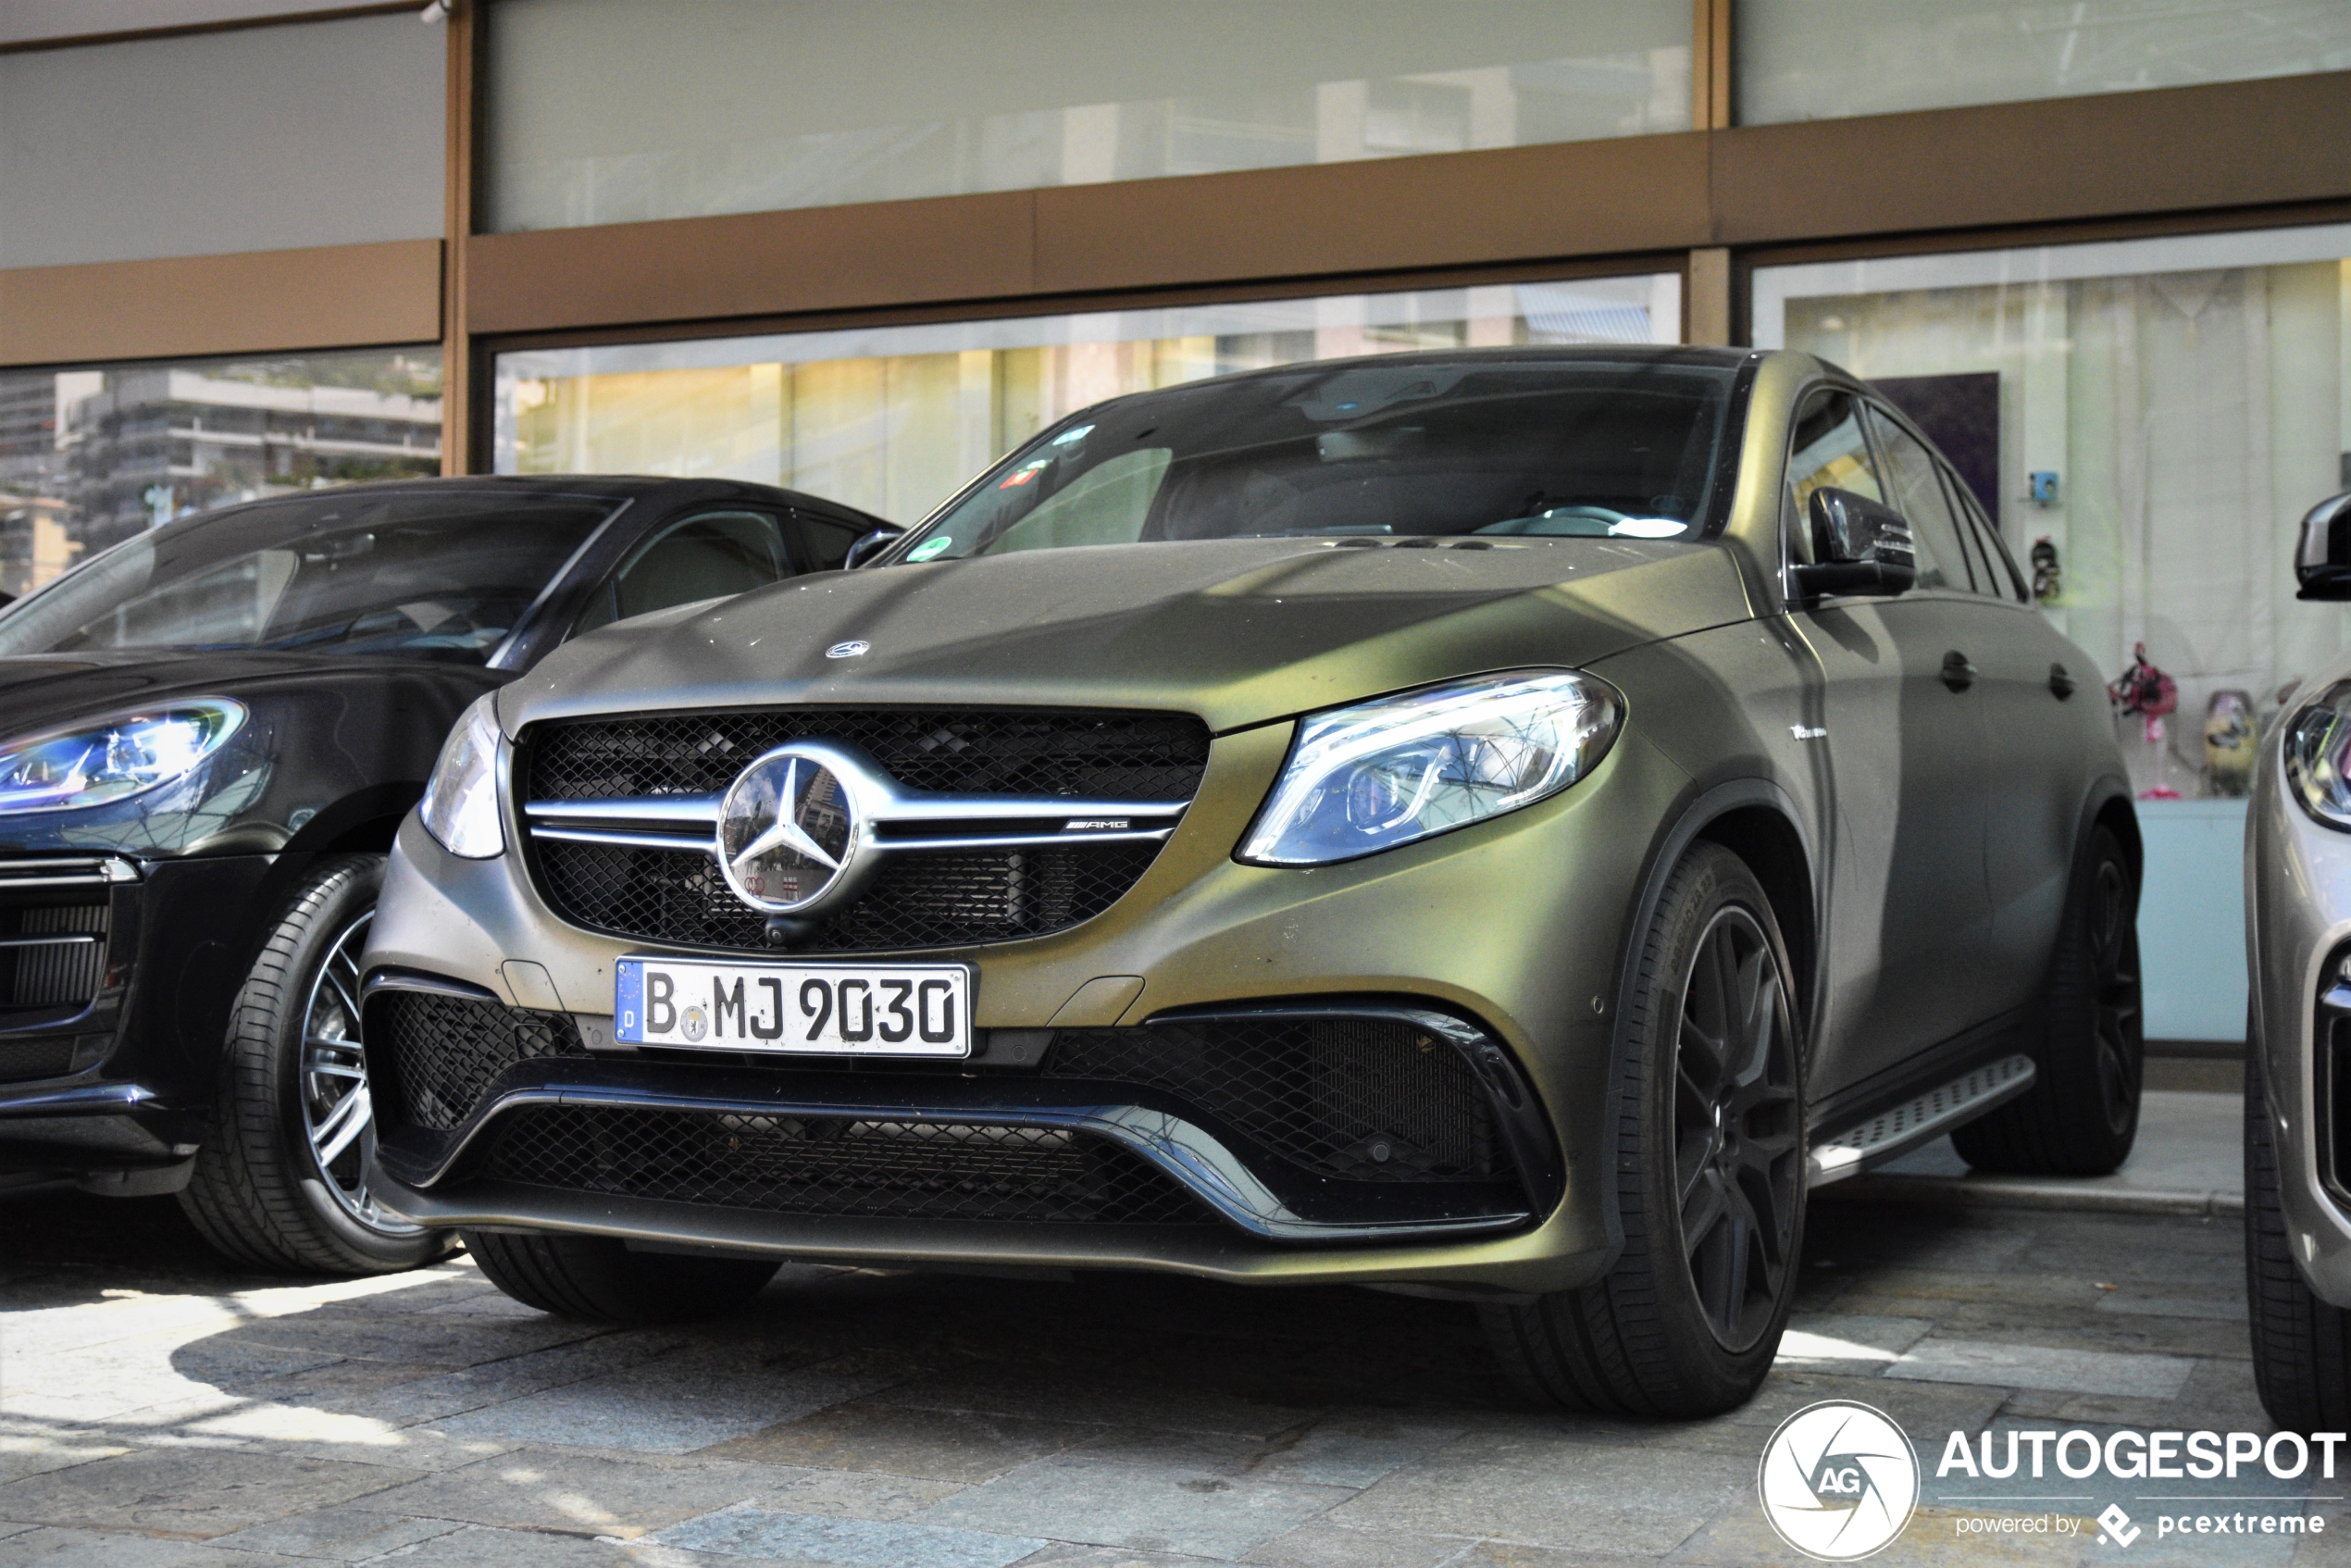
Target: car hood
x,y
1239,631
40,692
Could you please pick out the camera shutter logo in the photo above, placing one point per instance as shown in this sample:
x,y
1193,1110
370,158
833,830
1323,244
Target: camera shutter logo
x,y
1839,1480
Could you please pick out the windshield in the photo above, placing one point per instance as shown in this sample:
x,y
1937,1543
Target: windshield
x,y
1577,449
404,576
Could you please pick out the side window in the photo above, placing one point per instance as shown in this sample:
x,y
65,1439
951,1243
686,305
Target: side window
x,y
2000,568
1915,490
709,556
822,542
1828,450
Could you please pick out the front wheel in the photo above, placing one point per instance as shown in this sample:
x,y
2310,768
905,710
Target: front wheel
x,y
2081,1116
1709,1172
2301,1346
279,1182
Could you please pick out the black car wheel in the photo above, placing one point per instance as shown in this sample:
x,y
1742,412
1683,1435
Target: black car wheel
x,y
1709,1172
281,1180
2082,1115
597,1279
2301,1346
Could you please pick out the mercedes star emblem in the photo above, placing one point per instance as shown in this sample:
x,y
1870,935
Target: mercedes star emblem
x,y
786,830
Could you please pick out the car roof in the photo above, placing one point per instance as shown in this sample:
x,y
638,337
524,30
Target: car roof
x,y
610,488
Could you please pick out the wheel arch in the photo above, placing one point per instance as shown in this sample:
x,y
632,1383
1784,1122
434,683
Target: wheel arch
x,y
1758,821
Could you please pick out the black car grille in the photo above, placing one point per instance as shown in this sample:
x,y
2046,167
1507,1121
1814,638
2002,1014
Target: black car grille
x,y
1363,1099
836,1167
920,900
437,1055
44,972
48,1056
1032,752
945,900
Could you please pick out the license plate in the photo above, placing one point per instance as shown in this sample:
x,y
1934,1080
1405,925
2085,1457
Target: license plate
x,y
802,1009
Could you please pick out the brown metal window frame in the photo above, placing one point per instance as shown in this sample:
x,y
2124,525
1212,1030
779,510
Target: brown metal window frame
x,y
1711,203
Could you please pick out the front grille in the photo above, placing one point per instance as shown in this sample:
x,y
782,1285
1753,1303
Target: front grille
x,y
51,974
1033,752
835,1167
945,900
1363,1099
438,1054
920,899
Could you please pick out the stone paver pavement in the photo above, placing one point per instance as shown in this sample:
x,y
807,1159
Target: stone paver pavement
x,y
157,1409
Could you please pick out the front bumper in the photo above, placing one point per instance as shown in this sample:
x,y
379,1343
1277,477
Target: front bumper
x,y
108,1049
2298,929
1511,929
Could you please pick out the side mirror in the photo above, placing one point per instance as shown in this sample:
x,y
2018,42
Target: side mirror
x,y
2322,561
868,547
1859,546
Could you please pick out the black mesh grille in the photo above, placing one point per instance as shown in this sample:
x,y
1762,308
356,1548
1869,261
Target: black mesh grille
x,y
945,900
1036,751
832,1166
920,900
50,973
441,1052
1366,1099
46,1058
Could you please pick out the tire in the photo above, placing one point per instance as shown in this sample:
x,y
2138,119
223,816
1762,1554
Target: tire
x,y
596,1279
292,1089
2082,1115
2301,1346
1709,1172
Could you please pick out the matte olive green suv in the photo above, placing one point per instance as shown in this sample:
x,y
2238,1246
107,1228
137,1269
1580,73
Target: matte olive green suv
x,y
1493,825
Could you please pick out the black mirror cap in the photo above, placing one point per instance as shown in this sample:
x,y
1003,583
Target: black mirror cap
x,y
870,546
2322,561
1859,546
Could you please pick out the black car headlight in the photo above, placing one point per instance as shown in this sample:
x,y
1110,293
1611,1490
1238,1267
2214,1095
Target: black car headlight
x,y
2318,756
1398,768
112,759
460,807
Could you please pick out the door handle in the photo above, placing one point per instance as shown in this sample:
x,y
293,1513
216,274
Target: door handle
x,y
1958,674
2060,683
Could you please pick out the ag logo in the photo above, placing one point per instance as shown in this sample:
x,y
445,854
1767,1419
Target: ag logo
x,y
1839,1480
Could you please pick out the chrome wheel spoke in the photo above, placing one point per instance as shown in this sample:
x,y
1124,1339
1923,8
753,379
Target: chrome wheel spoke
x,y
339,1116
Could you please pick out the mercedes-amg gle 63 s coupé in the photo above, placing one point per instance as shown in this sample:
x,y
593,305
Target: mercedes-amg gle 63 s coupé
x,y
1497,825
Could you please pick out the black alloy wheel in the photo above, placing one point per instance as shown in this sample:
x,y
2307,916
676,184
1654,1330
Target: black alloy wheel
x,y
2081,1116
1708,1170
1735,1130
279,1182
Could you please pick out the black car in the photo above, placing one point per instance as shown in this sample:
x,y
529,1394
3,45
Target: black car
x,y
208,736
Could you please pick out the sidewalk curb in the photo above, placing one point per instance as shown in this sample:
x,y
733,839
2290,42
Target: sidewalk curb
x,y
2016,1192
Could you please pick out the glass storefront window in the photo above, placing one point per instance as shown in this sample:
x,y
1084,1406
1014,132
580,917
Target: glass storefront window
x,y
894,420
91,458
2147,421
613,111
1825,60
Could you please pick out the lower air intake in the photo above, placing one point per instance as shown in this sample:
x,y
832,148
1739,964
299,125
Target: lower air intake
x,y
836,1167
438,1054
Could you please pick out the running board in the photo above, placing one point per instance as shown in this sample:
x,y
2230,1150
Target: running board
x,y
1877,1139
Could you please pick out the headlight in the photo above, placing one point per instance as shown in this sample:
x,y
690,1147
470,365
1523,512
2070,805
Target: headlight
x,y
94,764
2318,756
460,807
1386,772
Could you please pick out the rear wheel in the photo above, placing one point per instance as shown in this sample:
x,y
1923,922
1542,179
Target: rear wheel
x,y
2301,1346
1709,1172
281,1181
596,1279
2082,1115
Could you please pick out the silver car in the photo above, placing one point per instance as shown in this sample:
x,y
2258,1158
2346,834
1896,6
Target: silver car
x,y
2297,1074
